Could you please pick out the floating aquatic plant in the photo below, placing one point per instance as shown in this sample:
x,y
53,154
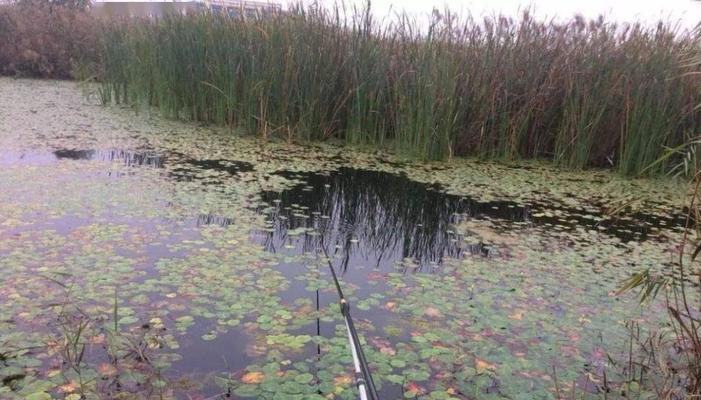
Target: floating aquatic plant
x,y
122,271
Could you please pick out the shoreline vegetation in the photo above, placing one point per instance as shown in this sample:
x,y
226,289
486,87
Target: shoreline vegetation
x,y
581,93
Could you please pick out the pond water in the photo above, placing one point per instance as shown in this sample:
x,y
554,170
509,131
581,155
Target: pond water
x,y
146,258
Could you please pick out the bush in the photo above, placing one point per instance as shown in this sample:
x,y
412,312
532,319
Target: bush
x,y
41,39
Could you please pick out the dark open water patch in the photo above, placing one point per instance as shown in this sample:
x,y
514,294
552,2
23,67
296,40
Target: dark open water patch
x,y
129,158
153,159
372,217
182,167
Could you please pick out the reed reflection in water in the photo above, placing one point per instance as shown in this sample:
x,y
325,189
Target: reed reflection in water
x,y
373,218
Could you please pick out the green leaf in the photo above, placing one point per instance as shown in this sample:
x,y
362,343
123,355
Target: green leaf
x,y
39,396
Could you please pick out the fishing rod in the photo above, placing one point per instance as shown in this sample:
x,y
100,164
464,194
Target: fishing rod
x,y
363,378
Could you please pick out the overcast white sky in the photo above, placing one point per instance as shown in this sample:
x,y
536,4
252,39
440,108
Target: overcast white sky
x,y
686,12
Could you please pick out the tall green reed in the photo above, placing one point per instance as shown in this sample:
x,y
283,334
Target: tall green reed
x,y
583,93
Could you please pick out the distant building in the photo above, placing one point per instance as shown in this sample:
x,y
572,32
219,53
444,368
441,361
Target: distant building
x,y
156,8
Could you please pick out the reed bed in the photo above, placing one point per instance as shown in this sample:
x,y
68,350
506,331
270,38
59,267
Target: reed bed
x,y
582,93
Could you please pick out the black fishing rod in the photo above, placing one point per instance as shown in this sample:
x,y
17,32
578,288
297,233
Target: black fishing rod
x,y
363,378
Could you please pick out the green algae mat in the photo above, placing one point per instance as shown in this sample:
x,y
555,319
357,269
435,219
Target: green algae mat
x,y
144,258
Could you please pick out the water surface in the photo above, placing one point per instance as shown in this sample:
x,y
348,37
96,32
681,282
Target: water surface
x,y
194,263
